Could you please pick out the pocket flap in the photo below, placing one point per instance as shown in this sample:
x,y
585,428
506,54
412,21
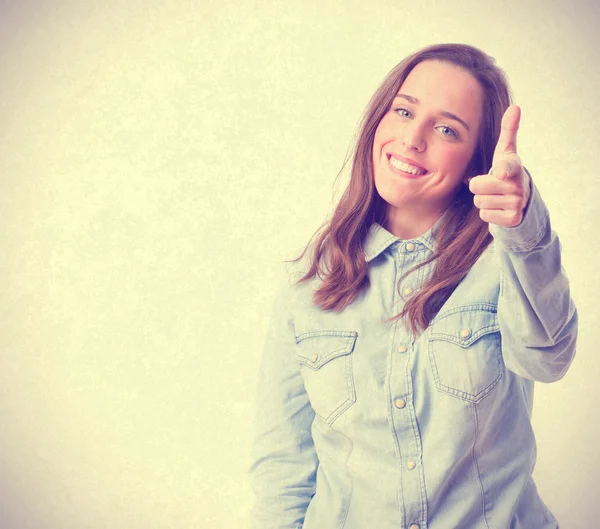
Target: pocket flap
x,y
465,325
317,348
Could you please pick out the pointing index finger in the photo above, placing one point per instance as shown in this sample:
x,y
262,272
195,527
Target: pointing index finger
x,y
507,142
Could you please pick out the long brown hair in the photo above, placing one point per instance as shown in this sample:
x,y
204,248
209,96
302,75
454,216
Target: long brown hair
x,y
337,256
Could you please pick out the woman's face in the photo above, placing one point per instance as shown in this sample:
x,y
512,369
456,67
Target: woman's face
x,y
424,143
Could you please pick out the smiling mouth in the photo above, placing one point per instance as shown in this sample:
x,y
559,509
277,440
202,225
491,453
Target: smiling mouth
x,y
404,167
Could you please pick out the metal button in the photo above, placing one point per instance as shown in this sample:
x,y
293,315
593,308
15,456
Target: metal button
x,y
315,357
411,464
465,333
407,291
410,247
402,348
399,403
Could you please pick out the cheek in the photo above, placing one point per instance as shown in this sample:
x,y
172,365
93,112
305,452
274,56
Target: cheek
x,y
377,142
454,161
384,133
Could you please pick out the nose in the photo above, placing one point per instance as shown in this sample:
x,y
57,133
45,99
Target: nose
x,y
412,137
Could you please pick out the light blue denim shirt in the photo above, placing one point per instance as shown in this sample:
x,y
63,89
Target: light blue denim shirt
x,y
362,425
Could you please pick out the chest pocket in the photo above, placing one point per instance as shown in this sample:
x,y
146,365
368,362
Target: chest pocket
x,y
465,352
326,365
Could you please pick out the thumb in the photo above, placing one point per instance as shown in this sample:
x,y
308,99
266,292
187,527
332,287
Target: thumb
x,y
507,142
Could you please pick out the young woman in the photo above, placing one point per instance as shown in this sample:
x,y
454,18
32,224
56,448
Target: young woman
x,y
397,379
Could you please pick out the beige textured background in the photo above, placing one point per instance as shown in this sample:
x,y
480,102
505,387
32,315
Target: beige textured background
x,y
156,158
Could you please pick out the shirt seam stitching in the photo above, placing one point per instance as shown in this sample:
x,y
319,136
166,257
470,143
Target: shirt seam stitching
x,y
480,479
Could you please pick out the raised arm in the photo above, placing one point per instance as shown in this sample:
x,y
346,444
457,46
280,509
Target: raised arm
x,y
537,317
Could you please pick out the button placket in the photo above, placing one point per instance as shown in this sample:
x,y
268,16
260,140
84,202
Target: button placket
x,y
400,389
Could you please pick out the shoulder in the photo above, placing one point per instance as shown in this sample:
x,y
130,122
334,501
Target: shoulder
x,y
480,287
287,278
293,269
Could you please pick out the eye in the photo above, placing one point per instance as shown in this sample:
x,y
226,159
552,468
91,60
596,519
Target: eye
x,y
447,131
403,112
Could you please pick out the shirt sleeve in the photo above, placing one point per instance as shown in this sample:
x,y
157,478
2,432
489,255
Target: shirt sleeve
x,y
537,317
284,461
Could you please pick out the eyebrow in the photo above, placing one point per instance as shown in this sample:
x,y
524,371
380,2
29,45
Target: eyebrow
x,y
444,113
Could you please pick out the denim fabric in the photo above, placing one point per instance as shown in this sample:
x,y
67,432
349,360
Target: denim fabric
x,y
362,425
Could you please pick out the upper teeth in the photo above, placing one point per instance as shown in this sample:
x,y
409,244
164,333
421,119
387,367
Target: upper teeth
x,y
407,168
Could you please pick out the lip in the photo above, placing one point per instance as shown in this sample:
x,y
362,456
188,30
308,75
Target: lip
x,y
405,160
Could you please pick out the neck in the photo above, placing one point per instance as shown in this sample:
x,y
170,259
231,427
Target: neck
x,y
408,223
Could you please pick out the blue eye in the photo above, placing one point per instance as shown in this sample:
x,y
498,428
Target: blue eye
x,y
447,131
403,112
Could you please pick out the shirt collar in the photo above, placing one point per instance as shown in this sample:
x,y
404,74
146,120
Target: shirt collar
x,y
379,239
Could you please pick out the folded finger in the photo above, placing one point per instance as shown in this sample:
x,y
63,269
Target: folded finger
x,y
490,185
503,202
501,217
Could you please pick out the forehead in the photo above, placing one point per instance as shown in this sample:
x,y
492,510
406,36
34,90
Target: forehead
x,y
444,86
